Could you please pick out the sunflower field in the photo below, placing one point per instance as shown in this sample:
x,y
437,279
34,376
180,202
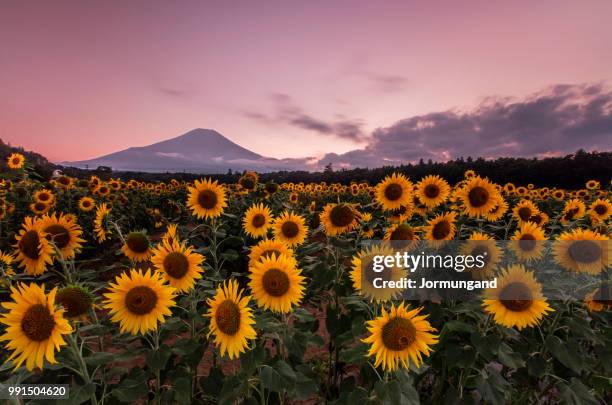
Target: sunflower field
x,y
202,293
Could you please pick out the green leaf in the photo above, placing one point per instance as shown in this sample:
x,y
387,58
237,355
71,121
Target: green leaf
x,y
492,387
566,352
212,384
305,387
157,359
576,393
95,359
536,366
286,373
271,379
132,388
509,358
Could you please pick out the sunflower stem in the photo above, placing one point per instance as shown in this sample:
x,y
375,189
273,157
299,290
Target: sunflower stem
x,y
83,372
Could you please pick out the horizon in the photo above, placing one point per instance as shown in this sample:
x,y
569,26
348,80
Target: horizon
x,y
347,85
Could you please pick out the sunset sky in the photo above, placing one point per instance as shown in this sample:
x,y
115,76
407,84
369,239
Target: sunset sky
x,y
306,78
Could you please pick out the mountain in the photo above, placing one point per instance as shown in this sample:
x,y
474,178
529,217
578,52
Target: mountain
x,y
197,151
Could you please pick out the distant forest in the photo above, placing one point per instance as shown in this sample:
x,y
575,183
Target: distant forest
x,y
571,171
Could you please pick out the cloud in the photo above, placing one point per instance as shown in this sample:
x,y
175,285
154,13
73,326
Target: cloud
x,y
386,83
560,119
286,112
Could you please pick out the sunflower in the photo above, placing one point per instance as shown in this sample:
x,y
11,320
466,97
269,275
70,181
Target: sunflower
x,y
276,283
15,161
171,234
469,174
267,248
517,300
399,337
44,196
34,326
498,211
102,190
339,218
480,244
290,228
600,210
64,233
137,246
433,191
33,250
86,204
574,209
64,181
362,265
394,191
179,264
593,185
582,251
600,299
402,235
206,199
524,210
231,319
478,196
527,243
101,222
39,208
257,220
442,227
139,301
77,300
249,181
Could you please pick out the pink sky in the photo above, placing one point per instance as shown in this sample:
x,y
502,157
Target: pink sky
x,y
82,79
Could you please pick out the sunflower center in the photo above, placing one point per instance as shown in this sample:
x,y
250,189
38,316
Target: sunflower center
x,y
527,242
28,245
570,213
398,334
275,282
341,215
38,323
516,297
137,242
441,230
600,209
248,183
86,203
140,300
259,220
584,251
524,213
393,192
16,160
40,206
176,264
482,250
227,317
367,265
478,196
75,301
431,191
536,219
59,235
207,199
290,229
44,197
402,232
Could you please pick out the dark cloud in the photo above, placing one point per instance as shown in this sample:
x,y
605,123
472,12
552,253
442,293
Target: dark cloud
x,y
288,113
558,120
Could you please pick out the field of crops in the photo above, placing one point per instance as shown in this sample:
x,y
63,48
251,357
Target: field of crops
x,y
202,292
